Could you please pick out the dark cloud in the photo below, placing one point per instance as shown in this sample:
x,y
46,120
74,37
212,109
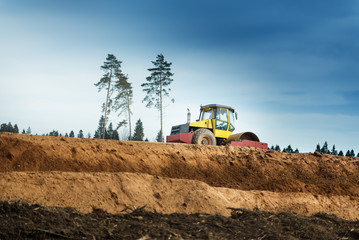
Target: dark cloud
x,y
309,46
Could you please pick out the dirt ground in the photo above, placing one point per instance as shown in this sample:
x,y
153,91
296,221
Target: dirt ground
x,y
22,220
281,193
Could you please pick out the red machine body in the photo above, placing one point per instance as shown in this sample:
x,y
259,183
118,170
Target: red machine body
x,y
187,138
180,138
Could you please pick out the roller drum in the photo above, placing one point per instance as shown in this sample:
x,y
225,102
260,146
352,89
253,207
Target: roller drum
x,y
239,137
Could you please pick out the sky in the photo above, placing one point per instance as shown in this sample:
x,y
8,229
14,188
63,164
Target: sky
x,y
289,68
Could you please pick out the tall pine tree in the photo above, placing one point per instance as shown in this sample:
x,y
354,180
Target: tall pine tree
x,y
123,100
111,68
157,85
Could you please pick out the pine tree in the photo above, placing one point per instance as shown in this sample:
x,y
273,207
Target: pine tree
x,y
3,127
296,150
138,133
115,135
352,154
289,149
272,147
97,134
28,131
80,134
157,86
358,154
123,100
348,154
318,148
100,131
325,148
334,151
9,127
284,150
72,134
109,132
341,153
158,137
16,129
112,68
54,133
277,148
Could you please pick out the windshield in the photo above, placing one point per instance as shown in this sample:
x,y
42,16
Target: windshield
x,y
223,114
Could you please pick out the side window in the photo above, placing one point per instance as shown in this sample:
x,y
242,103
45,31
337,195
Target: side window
x,y
207,114
220,125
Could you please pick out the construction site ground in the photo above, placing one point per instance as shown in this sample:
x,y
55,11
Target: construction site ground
x,y
61,187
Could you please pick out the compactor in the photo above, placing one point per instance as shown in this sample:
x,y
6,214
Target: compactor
x,y
214,127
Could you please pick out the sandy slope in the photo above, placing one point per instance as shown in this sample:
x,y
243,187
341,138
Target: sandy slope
x,y
115,191
86,173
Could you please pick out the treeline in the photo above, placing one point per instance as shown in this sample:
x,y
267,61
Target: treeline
x,y
110,132
288,149
324,149
8,127
138,135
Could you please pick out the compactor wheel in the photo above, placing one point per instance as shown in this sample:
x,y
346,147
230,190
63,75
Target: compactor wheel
x,y
203,136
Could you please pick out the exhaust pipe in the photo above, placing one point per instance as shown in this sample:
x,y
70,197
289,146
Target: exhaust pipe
x,y
188,116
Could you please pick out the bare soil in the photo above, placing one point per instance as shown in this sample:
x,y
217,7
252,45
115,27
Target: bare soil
x,y
182,191
22,220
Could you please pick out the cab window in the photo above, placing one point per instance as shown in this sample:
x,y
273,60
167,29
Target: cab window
x,y
207,114
220,125
223,114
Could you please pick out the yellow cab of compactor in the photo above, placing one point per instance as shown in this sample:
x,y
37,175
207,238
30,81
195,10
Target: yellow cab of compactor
x,y
218,118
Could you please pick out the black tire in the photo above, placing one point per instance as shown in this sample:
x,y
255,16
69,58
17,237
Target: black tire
x,y
204,136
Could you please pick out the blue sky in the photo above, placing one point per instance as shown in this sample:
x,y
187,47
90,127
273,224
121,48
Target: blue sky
x,y
289,68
